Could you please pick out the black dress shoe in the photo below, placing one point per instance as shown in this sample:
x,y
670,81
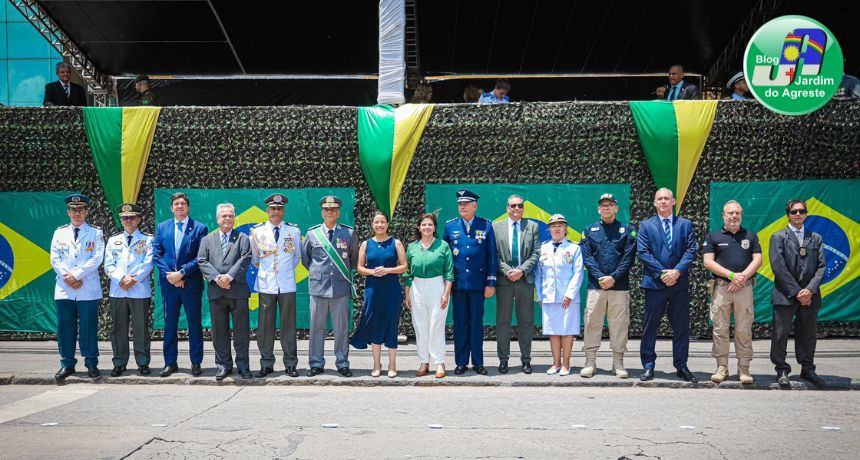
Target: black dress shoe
x,y
144,370
291,371
647,375
263,372
169,369
481,370
527,368
196,370
93,372
460,370
117,371
223,372
246,374
64,372
344,371
812,377
685,374
314,371
782,379
503,367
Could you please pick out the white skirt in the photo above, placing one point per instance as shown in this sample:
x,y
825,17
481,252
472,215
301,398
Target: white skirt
x,y
560,321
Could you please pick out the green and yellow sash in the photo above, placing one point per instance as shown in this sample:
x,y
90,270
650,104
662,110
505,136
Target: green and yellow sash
x,y
335,257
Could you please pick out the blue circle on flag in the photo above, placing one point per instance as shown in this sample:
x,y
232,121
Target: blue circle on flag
x,y
251,274
543,230
837,249
7,261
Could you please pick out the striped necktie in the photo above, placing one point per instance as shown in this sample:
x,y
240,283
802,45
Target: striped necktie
x,y
667,230
223,243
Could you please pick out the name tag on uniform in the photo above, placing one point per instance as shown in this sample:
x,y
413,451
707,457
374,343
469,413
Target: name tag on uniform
x,y
594,229
722,244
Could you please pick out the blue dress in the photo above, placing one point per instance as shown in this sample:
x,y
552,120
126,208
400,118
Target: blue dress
x,y
383,299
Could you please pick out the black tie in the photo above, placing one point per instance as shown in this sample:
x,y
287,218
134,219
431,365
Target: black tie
x,y
277,233
330,235
555,246
128,238
76,233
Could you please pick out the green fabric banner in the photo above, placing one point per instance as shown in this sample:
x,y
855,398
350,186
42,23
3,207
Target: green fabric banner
x,y
104,134
833,213
375,151
302,209
541,201
27,280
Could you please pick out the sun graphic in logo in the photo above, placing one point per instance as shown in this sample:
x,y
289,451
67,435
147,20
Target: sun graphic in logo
x,y
791,53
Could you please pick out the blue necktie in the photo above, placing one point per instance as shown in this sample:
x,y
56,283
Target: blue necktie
x,y
330,235
177,240
77,230
515,247
555,246
67,90
128,239
223,244
667,230
277,231
673,93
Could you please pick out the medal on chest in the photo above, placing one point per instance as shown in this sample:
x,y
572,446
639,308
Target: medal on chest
x,y
289,245
480,235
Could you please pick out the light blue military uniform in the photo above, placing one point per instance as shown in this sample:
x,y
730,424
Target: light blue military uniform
x,y
329,290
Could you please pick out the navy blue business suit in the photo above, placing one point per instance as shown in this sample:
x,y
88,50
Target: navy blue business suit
x,y
172,297
656,256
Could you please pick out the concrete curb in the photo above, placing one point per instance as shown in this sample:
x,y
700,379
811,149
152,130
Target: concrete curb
x,y
9,379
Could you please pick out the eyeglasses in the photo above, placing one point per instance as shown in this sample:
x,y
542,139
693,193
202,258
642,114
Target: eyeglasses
x,y
795,212
516,205
128,217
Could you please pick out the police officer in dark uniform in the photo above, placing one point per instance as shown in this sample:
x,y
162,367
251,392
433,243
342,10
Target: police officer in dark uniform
x,y
476,263
608,251
733,255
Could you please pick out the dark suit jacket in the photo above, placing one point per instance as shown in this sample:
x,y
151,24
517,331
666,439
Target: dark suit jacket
x,y
234,262
791,273
656,256
688,91
166,259
55,94
529,249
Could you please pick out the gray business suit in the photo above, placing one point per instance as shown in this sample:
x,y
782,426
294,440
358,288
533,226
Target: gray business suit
x,y
329,292
522,290
792,273
224,303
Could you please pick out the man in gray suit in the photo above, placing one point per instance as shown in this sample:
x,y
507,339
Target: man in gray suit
x,y
518,247
223,258
330,252
797,260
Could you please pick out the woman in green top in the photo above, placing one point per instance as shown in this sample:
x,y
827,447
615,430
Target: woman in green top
x,y
428,279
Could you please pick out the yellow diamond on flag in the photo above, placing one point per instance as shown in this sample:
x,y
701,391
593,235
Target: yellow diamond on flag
x,y
841,237
534,212
248,218
27,261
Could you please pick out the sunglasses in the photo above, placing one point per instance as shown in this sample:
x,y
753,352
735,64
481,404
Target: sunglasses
x,y
516,205
795,212
128,217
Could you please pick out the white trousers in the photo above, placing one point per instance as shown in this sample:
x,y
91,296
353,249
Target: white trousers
x,y
428,318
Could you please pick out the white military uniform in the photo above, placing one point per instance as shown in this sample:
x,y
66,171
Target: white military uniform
x,y
136,260
276,261
558,275
81,258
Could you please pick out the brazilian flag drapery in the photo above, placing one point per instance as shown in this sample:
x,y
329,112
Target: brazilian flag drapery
x,y
673,136
387,139
120,139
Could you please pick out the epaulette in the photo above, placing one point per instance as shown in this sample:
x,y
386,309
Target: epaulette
x,y
63,226
261,223
149,235
347,226
315,226
290,224
451,220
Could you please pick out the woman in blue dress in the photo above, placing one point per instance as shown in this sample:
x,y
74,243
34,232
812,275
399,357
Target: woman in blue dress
x,y
381,259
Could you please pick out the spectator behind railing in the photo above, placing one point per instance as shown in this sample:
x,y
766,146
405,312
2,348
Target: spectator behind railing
x,y
145,95
499,94
677,88
471,94
737,86
423,94
63,91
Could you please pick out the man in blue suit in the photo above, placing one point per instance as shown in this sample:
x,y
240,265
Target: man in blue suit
x,y
667,247
175,248
473,244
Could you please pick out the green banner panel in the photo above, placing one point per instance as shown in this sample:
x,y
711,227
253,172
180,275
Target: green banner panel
x,y
833,213
578,203
302,209
27,280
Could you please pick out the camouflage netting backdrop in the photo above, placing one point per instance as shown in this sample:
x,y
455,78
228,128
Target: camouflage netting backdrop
x,y
570,142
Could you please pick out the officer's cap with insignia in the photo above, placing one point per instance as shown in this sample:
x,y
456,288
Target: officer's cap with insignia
x,y
557,218
466,196
77,201
276,200
129,210
330,201
607,197
734,80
